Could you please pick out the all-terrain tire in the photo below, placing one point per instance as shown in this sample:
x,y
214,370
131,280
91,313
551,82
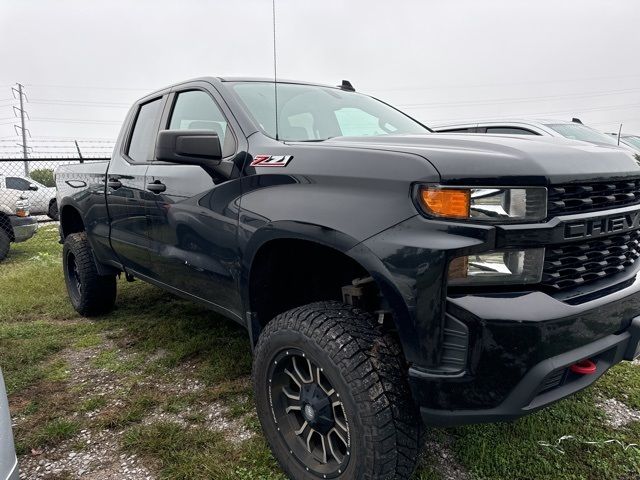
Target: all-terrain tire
x,y
5,243
365,366
90,294
53,212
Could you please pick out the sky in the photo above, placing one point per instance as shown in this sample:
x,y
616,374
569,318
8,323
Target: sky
x,y
83,62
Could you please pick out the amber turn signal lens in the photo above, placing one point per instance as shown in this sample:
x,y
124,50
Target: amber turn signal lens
x,y
446,202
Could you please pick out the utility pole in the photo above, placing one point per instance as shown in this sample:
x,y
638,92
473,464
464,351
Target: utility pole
x,y
23,128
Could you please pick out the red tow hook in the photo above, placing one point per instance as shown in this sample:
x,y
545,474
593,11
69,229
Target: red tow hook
x,y
584,367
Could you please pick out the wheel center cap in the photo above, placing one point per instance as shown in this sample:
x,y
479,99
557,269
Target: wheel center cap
x,y
309,413
316,407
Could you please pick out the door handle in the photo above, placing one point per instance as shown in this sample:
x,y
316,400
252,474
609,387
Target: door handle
x,y
156,187
114,183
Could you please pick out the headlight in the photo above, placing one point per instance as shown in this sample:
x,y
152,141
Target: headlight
x,y
498,268
499,205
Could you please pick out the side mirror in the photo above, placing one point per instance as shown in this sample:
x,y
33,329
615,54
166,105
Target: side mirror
x,y
189,147
33,186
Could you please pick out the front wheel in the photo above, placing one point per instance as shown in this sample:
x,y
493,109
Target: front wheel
x,y
333,397
90,294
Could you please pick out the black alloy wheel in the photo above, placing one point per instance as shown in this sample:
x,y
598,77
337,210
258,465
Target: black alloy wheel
x,y
310,413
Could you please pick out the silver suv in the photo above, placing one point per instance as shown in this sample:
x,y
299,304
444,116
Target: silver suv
x,y
631,141
551,128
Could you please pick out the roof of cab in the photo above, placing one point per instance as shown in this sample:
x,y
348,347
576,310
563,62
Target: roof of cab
x,y
215,80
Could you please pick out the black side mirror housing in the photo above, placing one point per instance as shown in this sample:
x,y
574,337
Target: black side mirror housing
x,y
33,186
189,147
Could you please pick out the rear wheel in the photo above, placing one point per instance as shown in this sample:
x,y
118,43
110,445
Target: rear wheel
x,y
5,243
90,294
333,397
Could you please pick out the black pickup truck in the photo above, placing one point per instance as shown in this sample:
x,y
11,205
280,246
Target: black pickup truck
x,y
388,277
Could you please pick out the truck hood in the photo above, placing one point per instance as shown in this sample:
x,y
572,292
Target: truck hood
x,y
475,159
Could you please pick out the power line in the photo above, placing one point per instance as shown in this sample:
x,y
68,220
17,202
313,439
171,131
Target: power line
x,y
44,101
75,120
531,82
63,138
89,87
521,99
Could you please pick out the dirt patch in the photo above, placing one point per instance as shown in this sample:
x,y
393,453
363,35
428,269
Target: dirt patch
x,y
214,416
103,379
83,375
439,451
89,455
617,413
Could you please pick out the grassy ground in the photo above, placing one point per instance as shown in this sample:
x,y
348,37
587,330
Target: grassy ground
x,y
160,389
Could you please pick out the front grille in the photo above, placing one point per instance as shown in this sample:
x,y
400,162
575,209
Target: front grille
x,y
589,197
573,264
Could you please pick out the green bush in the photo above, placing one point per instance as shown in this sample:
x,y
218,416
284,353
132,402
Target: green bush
x,y
44,176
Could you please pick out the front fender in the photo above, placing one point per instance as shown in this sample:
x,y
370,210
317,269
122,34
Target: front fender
x,y
344,244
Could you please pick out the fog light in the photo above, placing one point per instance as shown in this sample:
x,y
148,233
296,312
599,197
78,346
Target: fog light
x,y
498,268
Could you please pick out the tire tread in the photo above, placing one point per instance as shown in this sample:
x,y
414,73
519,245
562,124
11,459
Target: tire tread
x,y
372,363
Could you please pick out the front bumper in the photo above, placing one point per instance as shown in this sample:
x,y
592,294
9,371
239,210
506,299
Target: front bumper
x,y
495,354
23,228
545,383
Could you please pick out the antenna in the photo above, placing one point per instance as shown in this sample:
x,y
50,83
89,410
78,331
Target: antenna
x,y
275,66
619,134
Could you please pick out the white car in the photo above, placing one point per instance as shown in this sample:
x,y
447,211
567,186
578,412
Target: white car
x,y
551,128
42,199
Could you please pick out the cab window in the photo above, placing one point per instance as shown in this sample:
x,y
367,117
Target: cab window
x,y
196,110
510,130
143,137
458,130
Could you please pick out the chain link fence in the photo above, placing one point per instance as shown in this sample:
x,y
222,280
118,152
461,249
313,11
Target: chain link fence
x,y
28,203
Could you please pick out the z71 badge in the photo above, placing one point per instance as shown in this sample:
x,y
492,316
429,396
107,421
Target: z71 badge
x,y
271,160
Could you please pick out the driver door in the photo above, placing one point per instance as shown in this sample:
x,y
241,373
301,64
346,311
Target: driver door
x,y
193,219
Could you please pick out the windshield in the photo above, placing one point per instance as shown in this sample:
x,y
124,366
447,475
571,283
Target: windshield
x,y
312,113
576,131
633,141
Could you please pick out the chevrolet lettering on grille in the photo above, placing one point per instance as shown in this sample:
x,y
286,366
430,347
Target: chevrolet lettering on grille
x,y
602,226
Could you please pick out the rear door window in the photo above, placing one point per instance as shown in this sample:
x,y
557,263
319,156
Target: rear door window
x,y
143,137
15,183
510,130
